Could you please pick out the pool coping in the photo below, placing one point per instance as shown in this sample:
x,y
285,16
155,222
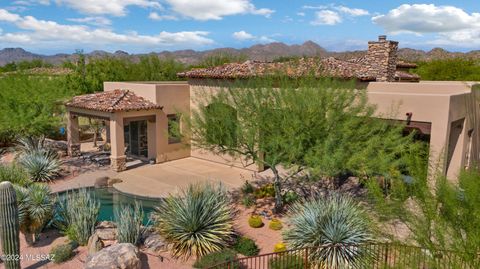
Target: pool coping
x,y
131,195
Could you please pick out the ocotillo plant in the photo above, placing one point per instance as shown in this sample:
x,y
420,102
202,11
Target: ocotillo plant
x,y
9,227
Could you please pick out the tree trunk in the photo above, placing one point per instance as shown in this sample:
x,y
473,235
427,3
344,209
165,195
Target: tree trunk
x,y
95,137
29,238
277,185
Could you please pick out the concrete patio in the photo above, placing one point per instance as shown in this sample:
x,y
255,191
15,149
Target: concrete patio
x,y
159,180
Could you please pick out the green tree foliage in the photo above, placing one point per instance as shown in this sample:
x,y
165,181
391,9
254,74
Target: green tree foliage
x,y
31,105
440,214
220,59
24,65
89,74
320,125
450,69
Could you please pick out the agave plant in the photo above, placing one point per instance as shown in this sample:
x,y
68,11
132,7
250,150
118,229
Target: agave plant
x,y
35,209
129,223
76,215
334,228
197,222
41,163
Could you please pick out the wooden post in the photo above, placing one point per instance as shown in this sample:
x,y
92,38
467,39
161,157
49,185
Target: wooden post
x,y
306,258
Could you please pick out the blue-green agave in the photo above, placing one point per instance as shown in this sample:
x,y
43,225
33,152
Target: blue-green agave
x,y
197,222
40,162
334,228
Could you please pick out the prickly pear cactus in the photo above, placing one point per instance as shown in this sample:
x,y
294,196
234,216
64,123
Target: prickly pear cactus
x,y
9,227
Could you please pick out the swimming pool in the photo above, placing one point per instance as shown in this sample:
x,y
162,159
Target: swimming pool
x,y
110,199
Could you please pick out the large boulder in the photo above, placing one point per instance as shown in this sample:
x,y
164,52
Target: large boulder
x,y
106,231
94,244
154,243
101,182
119,256
112,181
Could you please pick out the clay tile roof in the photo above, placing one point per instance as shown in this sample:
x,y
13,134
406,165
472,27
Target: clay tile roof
x,y
402,64
405,76
111,101
328,67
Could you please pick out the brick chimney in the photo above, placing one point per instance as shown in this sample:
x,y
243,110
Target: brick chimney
x,y
381,58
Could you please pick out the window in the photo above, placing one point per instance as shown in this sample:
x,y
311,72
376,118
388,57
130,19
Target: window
x,y
174,135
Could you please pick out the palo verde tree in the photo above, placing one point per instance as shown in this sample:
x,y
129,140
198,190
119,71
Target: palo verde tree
x,y
320,126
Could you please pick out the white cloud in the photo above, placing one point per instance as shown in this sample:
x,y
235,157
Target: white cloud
x,y
245,36
333,14
215,9
301,14
44,33
423,18
452,26
326,17
157,17
8,17
242,35
110,7
97,21
353,11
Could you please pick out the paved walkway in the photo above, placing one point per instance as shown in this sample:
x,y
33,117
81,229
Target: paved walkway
x,y
159,180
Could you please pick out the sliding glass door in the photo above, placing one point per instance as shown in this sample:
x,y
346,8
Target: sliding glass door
x,y
136,138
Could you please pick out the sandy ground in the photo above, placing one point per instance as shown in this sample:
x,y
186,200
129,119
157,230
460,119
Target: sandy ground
x,y
32,256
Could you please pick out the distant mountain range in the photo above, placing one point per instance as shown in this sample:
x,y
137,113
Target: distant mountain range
x,y
263,52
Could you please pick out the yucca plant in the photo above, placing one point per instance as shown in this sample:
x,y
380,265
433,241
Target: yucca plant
x,y
197,222
35,209
129,223
30,144
76,215
334,228
41,163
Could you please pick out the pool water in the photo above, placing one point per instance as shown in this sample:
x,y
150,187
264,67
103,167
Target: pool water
x,y
110,199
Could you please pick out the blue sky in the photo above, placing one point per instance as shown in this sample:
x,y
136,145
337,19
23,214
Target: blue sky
x,y
62,26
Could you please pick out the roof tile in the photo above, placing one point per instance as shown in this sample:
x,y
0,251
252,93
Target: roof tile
x,y
112,101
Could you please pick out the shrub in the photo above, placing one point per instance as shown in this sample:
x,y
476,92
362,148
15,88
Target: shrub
x,y
290,197
40,163
15,174
279,247
246,246
35,209
216,258
327,225
198,222
286,261
76,215
265,191
247,188
248,201
129,223
61,253
255,221
275,224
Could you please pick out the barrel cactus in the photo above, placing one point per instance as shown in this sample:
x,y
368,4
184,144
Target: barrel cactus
x,y
9,227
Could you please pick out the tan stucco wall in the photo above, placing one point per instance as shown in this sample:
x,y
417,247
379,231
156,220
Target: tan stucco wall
x,y
443,104
198,90
448,106
174,97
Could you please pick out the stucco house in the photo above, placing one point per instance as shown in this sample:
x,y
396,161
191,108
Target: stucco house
x,y
140,115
